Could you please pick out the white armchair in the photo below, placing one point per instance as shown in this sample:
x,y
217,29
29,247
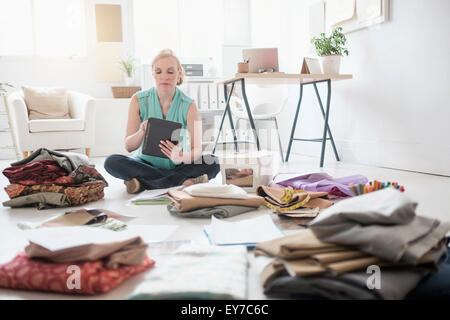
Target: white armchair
x,y
74,133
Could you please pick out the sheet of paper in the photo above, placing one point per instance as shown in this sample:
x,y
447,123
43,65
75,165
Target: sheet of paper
x,y
67,237
153,232
156,194
247,231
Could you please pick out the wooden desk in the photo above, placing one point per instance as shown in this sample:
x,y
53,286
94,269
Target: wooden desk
x,y
276,79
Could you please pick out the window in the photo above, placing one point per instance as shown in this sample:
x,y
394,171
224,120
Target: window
x,y
16,28
42,28
191,28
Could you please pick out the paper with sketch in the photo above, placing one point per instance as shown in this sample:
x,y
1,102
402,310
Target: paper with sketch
x,y
67,237
155,194
249,231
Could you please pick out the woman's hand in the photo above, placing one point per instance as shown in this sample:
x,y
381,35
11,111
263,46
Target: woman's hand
x,y
143,126
172,151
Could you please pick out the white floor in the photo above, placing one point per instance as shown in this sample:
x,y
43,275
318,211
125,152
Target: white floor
x,y
431,192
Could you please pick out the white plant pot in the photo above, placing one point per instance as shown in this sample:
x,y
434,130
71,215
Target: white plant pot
x,y
331,63
128,81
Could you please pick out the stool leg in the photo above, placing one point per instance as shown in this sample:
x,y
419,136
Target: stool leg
x,y
295,123
324,140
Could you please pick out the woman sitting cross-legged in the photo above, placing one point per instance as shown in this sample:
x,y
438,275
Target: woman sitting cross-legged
x,y
182,166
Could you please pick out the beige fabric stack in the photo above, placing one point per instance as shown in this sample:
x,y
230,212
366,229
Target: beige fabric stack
x,y
303,254
185,202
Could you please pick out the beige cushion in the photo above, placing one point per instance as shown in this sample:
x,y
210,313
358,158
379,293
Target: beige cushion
x,y
46,103
45,125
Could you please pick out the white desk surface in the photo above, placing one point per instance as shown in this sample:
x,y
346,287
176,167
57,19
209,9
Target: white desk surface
x,y
282,78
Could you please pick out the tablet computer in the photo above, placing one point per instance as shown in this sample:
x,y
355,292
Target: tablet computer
x,y
157,130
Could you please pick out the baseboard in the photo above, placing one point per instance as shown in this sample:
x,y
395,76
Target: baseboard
x,y
416,157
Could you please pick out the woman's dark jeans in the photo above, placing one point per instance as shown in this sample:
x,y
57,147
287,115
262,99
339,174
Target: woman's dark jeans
x,y
126,168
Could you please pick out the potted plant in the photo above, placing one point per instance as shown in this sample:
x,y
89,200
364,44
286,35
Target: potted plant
x,y
330,50
128,66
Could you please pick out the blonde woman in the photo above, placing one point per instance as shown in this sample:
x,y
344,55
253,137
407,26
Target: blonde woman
x,y
182,166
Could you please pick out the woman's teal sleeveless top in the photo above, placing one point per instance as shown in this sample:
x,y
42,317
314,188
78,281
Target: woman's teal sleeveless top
x,y
149,107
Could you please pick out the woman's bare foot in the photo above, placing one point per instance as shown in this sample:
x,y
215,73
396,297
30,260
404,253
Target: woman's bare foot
x,y
201,179
133,186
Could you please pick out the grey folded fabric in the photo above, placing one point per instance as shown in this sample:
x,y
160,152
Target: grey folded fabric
x,y
394,285
395,282
42,200
219,212
67,160
381,223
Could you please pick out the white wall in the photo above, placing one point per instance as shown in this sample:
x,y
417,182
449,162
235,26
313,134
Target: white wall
x,y
395,111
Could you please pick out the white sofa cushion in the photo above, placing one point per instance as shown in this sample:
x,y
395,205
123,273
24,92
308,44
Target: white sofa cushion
x,y
45,125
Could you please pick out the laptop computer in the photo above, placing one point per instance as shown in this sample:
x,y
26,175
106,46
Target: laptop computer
x,y
261,59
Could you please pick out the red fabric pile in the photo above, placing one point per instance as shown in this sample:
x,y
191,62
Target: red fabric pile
x,y
38,172
36,274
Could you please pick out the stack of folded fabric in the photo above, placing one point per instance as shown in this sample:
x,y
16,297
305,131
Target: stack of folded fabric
x,y
330,259
49,178
101,266
204,200
198,272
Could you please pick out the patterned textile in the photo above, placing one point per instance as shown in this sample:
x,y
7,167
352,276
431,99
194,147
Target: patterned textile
x,y
34,274
85,173
37,172
86,192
